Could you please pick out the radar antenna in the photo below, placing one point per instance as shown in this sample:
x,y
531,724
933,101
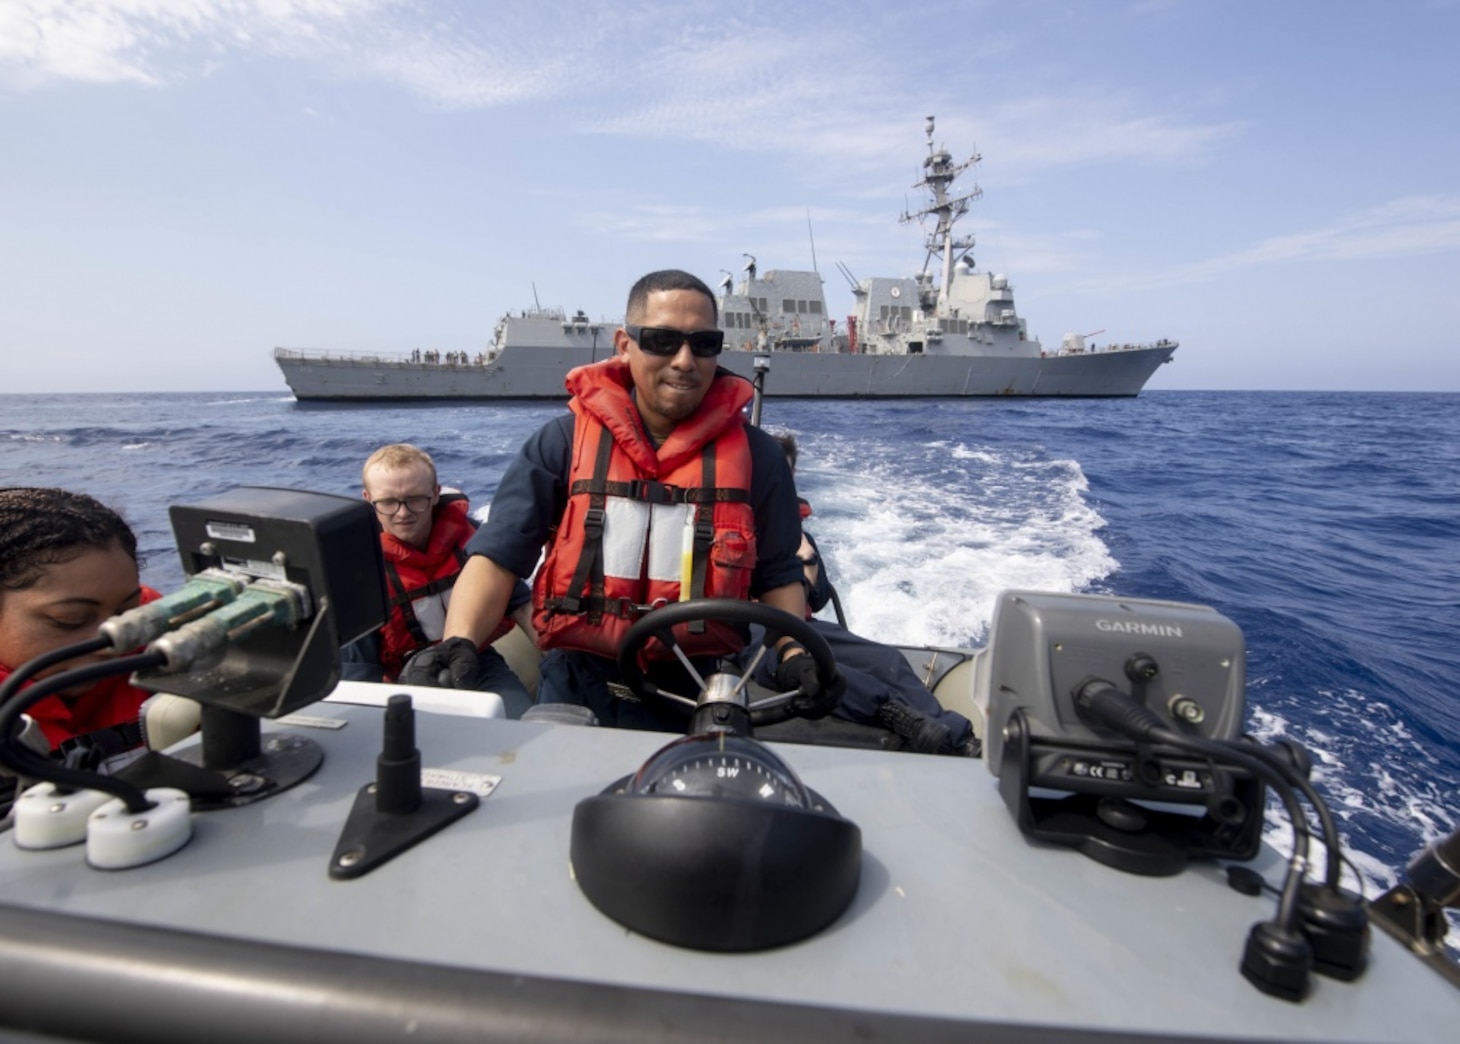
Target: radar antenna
x,y
939,173
812,236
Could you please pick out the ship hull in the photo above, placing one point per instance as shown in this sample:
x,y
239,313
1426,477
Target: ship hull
x,y
539,372
910,337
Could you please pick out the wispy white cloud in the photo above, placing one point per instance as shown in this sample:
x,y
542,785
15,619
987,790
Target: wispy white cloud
x,y
744,85
1408,227
1085,127
422,48
666,223
826,85
455,70
158,41
751,90
715,225
1413,226
1155,8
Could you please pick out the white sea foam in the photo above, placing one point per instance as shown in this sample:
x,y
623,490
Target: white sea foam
x,y
1359,786
919,549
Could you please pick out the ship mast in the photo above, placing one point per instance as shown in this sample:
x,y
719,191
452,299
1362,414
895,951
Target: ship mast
x,y
939,174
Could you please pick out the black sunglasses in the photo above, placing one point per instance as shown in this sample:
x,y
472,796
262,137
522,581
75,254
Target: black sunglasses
x,y
662,341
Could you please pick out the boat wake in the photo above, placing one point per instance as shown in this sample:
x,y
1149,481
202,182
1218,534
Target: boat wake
x,y
897,523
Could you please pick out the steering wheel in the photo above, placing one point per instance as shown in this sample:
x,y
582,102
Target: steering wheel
x,y
660,624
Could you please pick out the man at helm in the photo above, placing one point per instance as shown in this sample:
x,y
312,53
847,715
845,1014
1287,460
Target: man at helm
x,y
651,478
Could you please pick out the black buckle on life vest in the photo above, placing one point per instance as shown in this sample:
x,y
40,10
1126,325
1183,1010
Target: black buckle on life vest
x,y
593,522
651,492
632,610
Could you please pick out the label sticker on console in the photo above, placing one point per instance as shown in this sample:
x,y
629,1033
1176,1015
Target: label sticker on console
x,y
479,783
221,529
312,721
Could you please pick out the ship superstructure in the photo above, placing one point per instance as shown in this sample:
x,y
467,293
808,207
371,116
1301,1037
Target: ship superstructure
x,y
948,330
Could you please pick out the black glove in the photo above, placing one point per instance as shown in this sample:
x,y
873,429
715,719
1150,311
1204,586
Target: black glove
x,y
815,701
452,664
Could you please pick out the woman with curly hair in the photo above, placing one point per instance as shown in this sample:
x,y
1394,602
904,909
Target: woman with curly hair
x,y
67,563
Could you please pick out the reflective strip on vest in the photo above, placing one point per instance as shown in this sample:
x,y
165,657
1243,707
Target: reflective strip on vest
x,y
430,613
628,525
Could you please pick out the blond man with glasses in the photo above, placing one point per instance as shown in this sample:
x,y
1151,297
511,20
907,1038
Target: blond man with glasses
x,y
423,538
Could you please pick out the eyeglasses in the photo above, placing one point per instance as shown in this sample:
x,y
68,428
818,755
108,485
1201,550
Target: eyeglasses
x,y
662,341
389,505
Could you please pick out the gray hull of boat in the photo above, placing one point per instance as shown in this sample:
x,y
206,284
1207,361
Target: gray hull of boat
x,y
538,373
958,918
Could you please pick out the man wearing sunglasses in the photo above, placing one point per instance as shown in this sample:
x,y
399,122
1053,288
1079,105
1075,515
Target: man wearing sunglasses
x,y
423,539
653,479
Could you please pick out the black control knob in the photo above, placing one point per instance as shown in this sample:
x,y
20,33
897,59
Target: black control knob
x,y
1142,668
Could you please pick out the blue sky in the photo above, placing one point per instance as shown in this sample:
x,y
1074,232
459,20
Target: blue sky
x,y
185,184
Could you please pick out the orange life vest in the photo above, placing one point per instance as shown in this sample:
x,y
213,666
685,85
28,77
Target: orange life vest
x,y
112,703
639,519
420,582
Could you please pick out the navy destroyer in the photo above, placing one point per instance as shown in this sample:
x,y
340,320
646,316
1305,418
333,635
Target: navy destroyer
x,y
948,330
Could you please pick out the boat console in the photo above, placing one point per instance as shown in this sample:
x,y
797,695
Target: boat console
x,y
438,874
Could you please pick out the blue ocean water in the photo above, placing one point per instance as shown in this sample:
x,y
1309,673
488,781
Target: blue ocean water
x,y
1326,525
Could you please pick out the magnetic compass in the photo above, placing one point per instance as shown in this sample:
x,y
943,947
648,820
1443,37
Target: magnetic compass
x,y
722,766
715,844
